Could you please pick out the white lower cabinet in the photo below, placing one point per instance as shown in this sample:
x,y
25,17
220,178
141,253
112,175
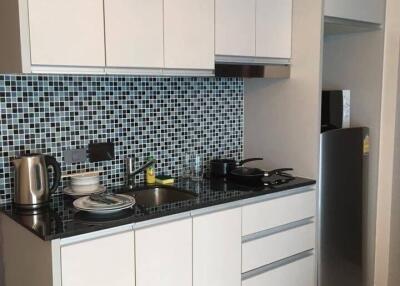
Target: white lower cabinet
x,y
271,248
100,262
265,243
297,273
273,213
164,254
217,249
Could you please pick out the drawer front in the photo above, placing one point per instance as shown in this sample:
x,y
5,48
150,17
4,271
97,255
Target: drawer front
x,y
273,213
271,248
297,273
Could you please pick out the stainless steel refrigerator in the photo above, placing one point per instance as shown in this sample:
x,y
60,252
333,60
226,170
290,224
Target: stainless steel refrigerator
x,y
343,182
343,187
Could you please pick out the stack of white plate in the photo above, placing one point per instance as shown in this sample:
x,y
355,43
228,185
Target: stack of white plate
x,y
84,184
113,203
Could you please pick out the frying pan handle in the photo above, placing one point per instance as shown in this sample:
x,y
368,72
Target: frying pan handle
x,y
249,160
277,171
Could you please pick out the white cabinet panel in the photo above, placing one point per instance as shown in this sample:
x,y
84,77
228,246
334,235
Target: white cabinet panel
x,y
298,273
100,262
189,34
67,33
265,215
217,249
361,10
164,254
235,27
265,250
134,33
274,28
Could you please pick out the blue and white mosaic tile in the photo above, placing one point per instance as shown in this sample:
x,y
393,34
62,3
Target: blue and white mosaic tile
x,y
164,117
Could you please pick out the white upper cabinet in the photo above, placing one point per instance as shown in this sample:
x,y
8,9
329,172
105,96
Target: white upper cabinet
x,y
164,254
102,262
134,33
235,30
67,33
361,10
257,29
217,249
274,28
189,34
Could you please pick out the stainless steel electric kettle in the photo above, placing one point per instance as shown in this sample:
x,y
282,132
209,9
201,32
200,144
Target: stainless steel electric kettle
x,y
32,189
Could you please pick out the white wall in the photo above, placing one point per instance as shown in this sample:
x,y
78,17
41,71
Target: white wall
x,y
388,219
354,62
394,246
282,116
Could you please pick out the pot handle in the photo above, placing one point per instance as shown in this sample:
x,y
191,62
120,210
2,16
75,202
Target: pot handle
x,y
52,162
249,160
277,171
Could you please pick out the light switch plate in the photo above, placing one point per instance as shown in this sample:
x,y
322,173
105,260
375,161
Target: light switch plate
x,y
74,156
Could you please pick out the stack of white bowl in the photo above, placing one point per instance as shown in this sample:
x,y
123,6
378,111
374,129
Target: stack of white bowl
x,y
85,183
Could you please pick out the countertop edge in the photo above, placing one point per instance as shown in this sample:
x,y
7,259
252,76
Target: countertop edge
x,y
184,214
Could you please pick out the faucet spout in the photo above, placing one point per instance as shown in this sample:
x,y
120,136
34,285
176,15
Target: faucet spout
x,y
130,175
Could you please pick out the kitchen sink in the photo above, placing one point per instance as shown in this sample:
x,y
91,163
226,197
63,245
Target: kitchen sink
x,y
160,195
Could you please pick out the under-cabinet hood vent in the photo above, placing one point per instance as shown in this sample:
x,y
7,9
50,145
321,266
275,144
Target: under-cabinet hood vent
x,y
271,71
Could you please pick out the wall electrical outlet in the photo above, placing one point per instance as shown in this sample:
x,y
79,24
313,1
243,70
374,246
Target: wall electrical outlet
x,y
74,156
103,151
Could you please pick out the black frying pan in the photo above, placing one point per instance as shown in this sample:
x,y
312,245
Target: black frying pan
x,y
254,175
223,167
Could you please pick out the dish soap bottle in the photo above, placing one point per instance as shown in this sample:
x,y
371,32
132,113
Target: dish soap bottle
x,y
150,173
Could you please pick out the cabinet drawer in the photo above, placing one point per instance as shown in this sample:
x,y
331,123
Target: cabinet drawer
x,y
273,213
299,273
271,248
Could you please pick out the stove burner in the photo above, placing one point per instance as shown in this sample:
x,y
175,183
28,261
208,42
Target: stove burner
x,y
277,179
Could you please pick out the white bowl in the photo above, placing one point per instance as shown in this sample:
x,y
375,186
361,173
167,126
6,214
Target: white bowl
x,y
85,180
85,183
84,188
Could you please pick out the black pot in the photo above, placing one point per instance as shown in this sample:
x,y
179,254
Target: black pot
x,y
254,175
221,168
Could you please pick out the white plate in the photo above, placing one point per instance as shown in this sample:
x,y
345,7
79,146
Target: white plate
x,y
70,192
88,205
105,211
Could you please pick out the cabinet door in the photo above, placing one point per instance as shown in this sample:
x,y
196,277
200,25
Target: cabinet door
x,y
235,27
217,249
189,34
67,33
100,262
164,254
134,33
274,28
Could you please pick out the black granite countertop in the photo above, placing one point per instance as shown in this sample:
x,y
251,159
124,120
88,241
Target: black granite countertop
x,y
62,220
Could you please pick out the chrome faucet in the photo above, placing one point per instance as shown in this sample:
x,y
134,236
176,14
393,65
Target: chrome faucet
x,y
130,173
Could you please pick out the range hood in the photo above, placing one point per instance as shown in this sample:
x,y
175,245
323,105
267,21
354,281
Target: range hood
x,y
249,67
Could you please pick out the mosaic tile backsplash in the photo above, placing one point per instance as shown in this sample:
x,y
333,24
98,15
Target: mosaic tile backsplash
x,y
163,117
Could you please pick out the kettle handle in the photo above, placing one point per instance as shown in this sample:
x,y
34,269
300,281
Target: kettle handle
x,y
52,162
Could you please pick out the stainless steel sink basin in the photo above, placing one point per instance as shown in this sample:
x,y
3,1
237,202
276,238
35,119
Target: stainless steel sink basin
x,y
157,196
